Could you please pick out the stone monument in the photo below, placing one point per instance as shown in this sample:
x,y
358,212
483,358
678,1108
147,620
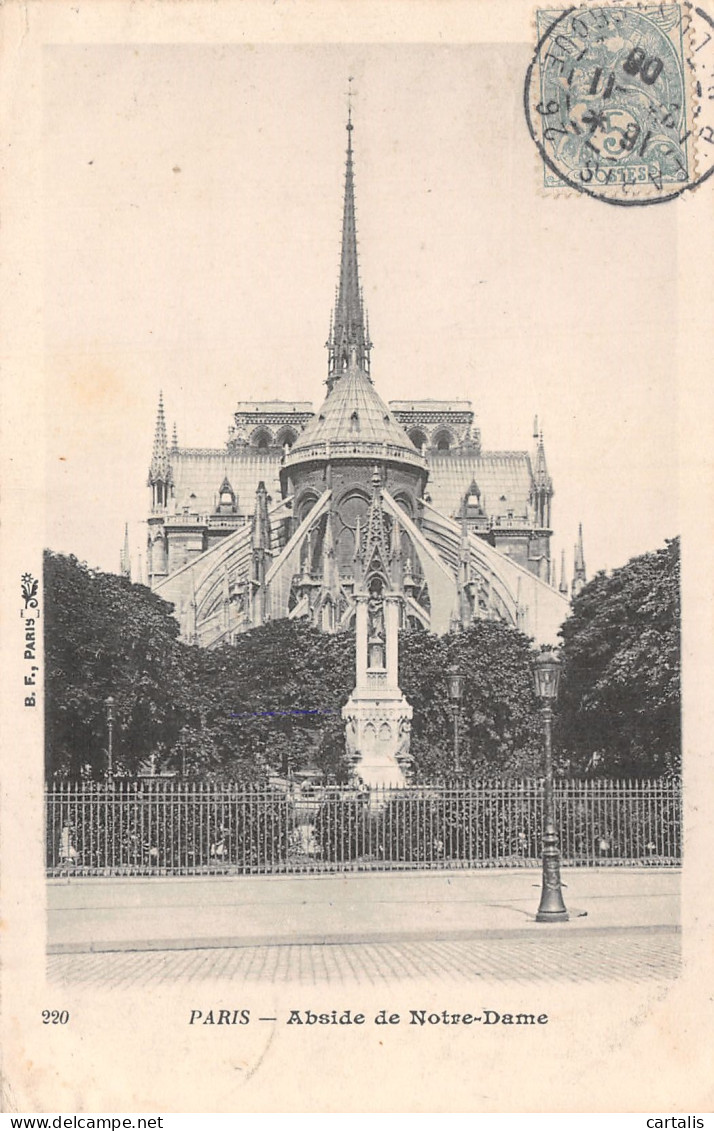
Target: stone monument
x,y
377,715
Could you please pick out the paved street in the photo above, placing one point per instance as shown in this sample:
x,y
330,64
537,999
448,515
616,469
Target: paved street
x,y
613,955
255,911
363,928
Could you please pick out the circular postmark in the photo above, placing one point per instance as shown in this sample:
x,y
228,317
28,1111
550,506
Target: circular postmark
x,y
619,99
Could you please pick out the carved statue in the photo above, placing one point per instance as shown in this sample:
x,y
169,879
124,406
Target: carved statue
x,y
376,634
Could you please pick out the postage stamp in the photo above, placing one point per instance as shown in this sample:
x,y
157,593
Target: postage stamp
x,y
619,99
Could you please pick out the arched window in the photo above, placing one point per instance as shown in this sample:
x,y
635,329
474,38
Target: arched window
x,y
286,436
304,505
405,503
443,440
417,437
261,440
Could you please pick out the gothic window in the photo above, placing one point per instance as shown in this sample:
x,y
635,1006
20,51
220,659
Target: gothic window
x,y
328,616
345,549
417,438
354,422
305,504
443,440
352,506
287,436
262,440
159,554
405,503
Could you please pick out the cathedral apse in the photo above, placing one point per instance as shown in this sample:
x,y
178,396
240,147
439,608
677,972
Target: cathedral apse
x,y
282,520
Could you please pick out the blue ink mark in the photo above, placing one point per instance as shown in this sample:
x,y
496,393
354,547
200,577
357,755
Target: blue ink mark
x,y
291,711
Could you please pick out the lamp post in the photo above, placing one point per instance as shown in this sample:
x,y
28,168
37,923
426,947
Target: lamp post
x,y
109,704
183,734
456,694
552,909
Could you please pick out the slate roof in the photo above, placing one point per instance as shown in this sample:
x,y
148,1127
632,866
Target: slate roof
x,y
497,474
201,471
354,415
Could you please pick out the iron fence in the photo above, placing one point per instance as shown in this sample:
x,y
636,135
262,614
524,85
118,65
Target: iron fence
x,y
157,828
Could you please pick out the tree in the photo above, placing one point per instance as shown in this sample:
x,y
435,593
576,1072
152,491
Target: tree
x,y
272,701
105,636
620,695
500,725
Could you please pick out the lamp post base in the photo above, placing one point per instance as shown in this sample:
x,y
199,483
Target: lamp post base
x,y
552,908
552,917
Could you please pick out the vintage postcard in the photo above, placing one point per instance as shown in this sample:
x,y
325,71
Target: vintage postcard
x,y
356,706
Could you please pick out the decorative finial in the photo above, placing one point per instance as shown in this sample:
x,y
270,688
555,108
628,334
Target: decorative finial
x,y
350,92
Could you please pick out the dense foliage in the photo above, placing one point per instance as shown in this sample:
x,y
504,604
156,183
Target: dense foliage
x,y
272,701
620,695
268,703
500,728
105,636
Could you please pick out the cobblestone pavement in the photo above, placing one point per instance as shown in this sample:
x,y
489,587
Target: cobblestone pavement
x,y
586,957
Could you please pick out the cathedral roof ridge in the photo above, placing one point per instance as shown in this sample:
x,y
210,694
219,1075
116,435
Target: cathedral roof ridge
x,y
243,455
273,405
490,454
435,404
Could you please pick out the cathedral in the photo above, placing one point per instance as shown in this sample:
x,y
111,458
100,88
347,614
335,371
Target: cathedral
x,y
306,513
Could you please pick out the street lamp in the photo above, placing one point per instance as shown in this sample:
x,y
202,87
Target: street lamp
x,y
183,735
456,694
109,704
552,909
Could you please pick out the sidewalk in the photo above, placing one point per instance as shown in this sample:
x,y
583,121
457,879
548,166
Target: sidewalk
x,y
91,915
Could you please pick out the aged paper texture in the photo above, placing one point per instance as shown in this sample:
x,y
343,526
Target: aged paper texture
x,y
171,195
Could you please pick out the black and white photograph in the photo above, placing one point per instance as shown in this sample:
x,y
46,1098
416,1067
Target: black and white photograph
x,y
357,498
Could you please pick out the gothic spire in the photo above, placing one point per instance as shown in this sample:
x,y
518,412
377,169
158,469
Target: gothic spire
x,y
125,557
160,478
160,454
563,587
376,555
543,485
579,574
348,342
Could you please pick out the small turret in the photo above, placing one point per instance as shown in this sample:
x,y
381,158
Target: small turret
x,y
579,574
261,553
563,587
160,475
542,486
125,556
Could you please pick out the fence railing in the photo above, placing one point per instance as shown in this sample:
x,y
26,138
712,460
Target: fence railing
x,y
170,828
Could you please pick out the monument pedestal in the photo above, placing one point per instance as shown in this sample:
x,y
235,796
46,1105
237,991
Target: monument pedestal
x,y
377,736
377,715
